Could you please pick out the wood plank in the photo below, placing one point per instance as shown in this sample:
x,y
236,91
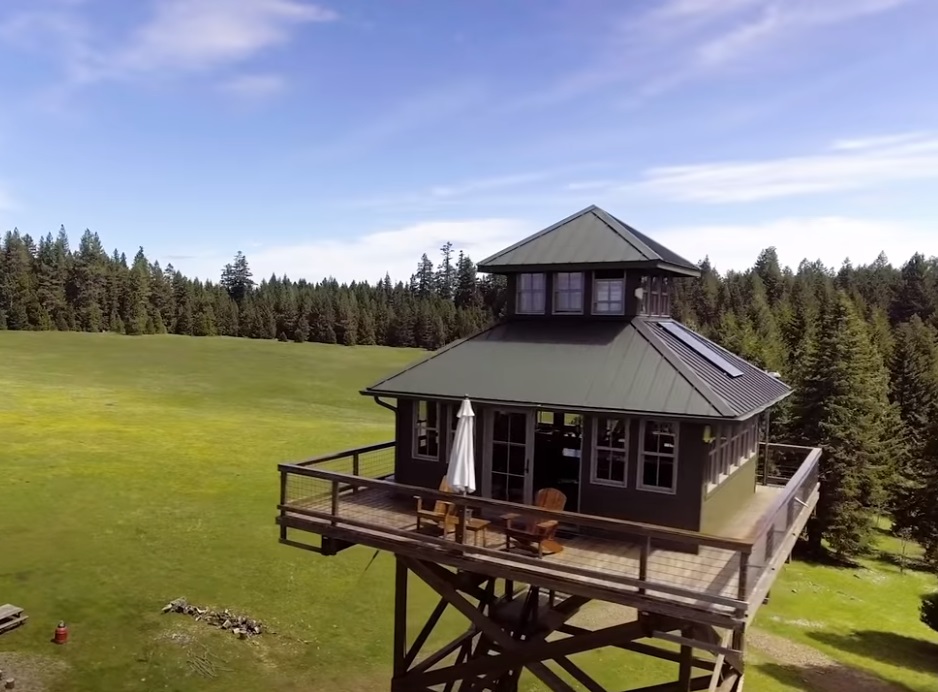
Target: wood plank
x,y
12,623
9,610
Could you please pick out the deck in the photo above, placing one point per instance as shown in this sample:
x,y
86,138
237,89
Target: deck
x,y
714,579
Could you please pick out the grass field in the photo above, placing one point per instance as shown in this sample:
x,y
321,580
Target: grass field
x,y
138,470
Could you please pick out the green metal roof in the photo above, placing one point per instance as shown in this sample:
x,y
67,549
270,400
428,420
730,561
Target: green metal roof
x,y
633,366
588,238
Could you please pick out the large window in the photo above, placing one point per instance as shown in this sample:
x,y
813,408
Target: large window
x,y
568,293
427,430
657,467
656,296
608,292
531,294
610,452
732,446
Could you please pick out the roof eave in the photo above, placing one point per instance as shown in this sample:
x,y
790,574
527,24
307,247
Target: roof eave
x,y
651,265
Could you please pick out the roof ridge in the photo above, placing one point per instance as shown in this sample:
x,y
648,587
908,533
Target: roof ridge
x,y
695,381
640,246
535,236
431,356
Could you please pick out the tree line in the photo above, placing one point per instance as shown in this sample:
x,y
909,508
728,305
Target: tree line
x,y
49,286
859,344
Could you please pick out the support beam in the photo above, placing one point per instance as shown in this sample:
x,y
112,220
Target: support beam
x,y
698,683
424,633
436,577
579,675
400,618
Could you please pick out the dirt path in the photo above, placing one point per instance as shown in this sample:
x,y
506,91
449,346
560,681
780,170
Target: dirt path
x,y
819,672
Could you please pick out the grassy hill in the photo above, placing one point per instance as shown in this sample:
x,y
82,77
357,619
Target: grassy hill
x,y
138,470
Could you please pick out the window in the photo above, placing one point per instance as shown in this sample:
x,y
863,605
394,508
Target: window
x,y
657,468
427,430
731,448
531,294
610,451
656,296
609,293
568,293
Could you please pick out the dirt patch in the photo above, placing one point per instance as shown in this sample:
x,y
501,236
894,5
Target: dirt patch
x,y
32,672
819,672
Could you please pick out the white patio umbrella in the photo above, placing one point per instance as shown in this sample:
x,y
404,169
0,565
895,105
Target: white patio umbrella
x,y
461,471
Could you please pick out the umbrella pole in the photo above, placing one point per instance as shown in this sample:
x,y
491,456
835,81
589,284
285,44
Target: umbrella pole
x,y
461,523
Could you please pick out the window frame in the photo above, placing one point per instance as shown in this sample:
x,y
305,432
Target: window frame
x,y
416,428
520,290
596,447
555,291
642,453
656,295
597,280
728,455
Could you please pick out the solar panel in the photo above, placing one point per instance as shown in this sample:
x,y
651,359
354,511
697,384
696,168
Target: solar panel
x,y
701,348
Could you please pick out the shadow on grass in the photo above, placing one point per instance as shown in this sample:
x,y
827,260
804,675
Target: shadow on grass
x,y
885,647
824,558
830,678
910,564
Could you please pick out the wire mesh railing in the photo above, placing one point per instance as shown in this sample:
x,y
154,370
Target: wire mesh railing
x,y
797,469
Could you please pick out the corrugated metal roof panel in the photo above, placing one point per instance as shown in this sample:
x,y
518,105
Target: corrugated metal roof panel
x,y
589,237
576,365
752,391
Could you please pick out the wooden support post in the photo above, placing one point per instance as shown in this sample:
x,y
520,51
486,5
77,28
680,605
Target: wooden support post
x,y
356,469
400,618
686,666
425,633
765,461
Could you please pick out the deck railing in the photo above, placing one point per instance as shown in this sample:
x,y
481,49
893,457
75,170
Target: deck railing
x,y
720,575
797,469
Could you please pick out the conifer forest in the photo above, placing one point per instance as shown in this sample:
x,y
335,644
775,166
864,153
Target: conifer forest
x,y
859,344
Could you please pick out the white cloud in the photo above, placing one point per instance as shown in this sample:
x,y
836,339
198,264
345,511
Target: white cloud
x,y
254,86
368,257
198,34
848,165
828,238
179,36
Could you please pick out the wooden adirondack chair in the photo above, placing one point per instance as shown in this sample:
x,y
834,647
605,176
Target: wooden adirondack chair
x,y
443,513
531,533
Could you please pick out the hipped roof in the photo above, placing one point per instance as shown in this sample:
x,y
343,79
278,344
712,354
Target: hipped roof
x,y
591,237
630,367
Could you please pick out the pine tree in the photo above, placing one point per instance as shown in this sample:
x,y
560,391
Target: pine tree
x,y
446,274
842,405
346,319
236,278
916,291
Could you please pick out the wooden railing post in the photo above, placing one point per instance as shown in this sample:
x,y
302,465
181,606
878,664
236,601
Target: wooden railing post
x,y
283,501
335,500
643,562
356,470
743,591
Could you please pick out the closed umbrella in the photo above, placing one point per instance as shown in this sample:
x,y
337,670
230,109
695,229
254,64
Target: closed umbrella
x,y
461,472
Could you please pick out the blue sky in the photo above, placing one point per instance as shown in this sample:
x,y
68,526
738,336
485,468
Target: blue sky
x,y
347,137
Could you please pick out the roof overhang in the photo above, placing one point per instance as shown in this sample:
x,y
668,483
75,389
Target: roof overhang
x,y
567,408
496,268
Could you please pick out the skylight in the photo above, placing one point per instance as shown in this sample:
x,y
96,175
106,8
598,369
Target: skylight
x,y
701,348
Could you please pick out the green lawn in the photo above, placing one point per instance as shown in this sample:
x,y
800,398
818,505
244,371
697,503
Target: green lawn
x,y
137,470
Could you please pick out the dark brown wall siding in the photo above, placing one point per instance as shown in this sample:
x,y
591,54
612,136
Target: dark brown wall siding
x,y
681,510
420,472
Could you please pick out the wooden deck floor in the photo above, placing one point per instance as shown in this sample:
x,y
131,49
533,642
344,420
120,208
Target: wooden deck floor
x,y
711,572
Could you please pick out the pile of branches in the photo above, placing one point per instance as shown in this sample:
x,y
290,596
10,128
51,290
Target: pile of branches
x,y
240,625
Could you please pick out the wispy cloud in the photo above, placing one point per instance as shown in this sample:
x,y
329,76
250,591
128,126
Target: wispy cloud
x,y
179,36
679,41
831,239
370,256
254,86
846,165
